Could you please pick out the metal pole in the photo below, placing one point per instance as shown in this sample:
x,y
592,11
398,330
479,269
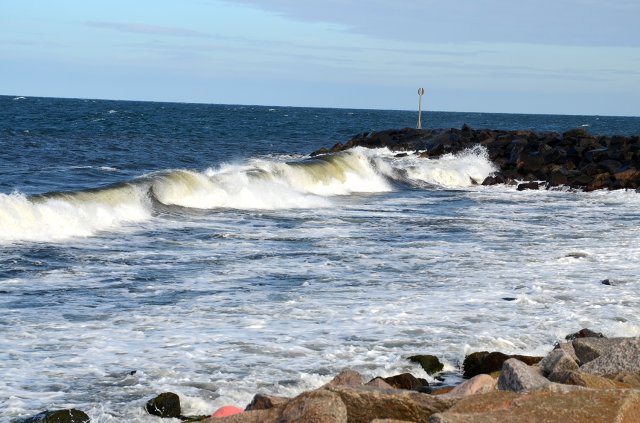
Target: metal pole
x,y
420,93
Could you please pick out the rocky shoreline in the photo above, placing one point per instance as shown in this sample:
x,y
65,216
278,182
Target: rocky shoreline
x,y
573,159
584,378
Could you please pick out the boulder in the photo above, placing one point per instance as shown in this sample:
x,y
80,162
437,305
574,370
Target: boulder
x,y
347,377
567,347
366,404
429,363
557,361
533,185
588,349
488,362
166,404
518,377
405,381
593,406
319,406
479,384
584,333
379,383
623,355
265,402
588,381
57,416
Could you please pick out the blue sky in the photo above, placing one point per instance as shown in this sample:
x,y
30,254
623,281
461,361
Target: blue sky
x,y
544,56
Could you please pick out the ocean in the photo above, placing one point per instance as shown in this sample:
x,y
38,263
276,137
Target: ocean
x,y
149,247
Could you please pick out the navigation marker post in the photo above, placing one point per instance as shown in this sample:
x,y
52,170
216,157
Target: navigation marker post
x,y
420,94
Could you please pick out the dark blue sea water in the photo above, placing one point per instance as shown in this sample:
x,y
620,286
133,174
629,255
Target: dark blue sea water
x,y
200,246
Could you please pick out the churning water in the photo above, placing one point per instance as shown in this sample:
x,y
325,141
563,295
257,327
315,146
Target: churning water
x,y
147,247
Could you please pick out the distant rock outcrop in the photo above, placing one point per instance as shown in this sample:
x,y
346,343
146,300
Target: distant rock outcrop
x,y
575,158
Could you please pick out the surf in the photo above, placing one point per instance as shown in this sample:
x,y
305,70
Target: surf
x,y
257,184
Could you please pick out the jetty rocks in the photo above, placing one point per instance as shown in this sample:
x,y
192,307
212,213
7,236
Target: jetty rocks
x,y
585,378
574,159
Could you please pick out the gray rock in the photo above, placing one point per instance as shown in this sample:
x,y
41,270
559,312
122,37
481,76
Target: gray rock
x,y
567,347
518,377
588,349
556,362
623,355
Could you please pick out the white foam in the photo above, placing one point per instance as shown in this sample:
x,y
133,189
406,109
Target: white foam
x,y
63,216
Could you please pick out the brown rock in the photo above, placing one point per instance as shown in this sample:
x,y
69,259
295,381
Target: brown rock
x,y
347,377
379,383
391,421
265,402
319,406
589,381
366,404
406,381
631,379
479,384
593,406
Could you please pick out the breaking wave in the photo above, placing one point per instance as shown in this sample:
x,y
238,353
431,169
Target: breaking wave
x,y
257,184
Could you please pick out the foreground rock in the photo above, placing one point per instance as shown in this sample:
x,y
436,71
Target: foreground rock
x,y
593,406
58,416
574,158
588,378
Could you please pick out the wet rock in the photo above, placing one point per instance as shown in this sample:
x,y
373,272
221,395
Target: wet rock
x,y
166,404
265,402
406,381
489,362
347,377
593,406
429,363
366,404
518,377
533,185
58,416
584,333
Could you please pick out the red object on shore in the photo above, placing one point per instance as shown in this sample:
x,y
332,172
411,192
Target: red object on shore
x,y
227,410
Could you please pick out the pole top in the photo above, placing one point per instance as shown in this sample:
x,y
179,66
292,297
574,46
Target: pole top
x,y
420,91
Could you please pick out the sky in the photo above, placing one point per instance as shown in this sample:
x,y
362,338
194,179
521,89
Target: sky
x,y
535,56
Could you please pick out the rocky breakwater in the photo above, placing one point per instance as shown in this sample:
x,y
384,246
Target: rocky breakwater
x,y
586,378
536,159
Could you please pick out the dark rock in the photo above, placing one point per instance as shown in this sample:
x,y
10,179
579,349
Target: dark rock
x,y
406,381
528,185
166,404
606,282
57,416
429,363
584,333
488,362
